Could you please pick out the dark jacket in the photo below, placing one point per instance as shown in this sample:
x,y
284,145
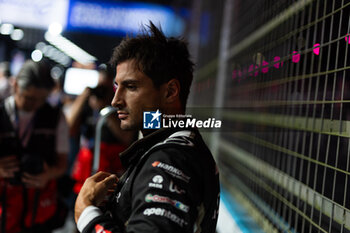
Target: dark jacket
x,y
23,207
171,185
42,140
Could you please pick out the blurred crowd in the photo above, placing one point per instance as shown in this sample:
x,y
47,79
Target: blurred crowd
x,y
48,143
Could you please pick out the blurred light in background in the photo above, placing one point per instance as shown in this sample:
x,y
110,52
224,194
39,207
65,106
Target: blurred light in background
x,y
68,48
41,28
77,80
101,17
40,46
37,55
55,28
56,72
17,34
6,29
34,14
122,17
53,53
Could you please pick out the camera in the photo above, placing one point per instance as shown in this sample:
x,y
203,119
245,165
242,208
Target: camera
x,y
29,163
32,164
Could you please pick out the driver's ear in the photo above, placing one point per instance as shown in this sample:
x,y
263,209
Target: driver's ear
x,y
172,90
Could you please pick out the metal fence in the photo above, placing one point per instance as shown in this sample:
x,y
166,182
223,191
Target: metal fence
x,y
278,73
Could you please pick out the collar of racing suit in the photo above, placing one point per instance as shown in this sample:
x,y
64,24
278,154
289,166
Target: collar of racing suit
x,y
138,148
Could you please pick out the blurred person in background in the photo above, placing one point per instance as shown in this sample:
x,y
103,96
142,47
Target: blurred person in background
x,y
83,117
171,183
80,109
5,83
105,76
113,140
33,155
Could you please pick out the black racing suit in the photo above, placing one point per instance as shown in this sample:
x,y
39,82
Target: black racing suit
x,y
171,185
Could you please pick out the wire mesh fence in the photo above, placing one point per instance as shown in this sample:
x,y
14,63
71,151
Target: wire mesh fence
x,y
286,155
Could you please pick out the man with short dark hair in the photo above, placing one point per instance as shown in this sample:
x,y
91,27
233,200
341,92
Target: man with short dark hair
x,y
171,183
34,147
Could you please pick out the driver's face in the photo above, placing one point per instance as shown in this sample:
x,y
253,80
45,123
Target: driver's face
x,y
135,93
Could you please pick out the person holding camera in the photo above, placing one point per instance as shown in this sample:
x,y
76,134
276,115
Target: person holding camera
x,y
33,154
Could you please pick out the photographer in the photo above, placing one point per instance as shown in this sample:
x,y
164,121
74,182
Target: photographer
x,y
112,141
34,147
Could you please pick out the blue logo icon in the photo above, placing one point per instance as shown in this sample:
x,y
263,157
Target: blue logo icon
x,y
151,120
